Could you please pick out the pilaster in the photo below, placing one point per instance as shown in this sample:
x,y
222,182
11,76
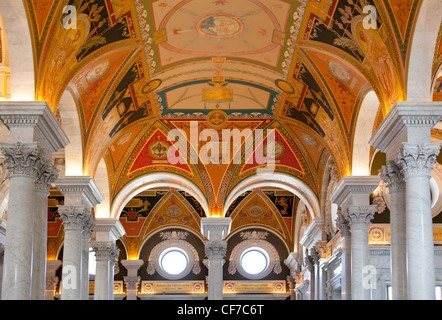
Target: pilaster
x,y
215,230
132,280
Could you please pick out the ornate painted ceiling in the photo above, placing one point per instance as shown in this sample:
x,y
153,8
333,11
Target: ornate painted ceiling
x,y
140,68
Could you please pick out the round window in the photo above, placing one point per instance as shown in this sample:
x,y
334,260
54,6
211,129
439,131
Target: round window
x,y
174,261
254,261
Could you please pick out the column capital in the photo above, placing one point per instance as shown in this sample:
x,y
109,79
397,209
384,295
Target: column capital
x,y
74,217
418,159
342,224
359,217
46,176
22,158
323,250
132,282
393,177
215,250
105,250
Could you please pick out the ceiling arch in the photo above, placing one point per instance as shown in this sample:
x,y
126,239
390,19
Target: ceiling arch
x,y
303,67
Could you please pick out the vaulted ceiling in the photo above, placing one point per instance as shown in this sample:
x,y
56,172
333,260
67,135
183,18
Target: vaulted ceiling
x,y
140,68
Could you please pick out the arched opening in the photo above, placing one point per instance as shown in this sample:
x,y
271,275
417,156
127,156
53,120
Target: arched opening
x,y
156,180
363,133
277,180
70,124
419,75
19,44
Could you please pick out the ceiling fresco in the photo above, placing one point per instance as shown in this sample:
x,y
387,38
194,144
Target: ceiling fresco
x,y
141,68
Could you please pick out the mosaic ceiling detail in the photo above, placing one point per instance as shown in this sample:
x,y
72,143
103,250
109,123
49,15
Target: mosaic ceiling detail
x,y
141,68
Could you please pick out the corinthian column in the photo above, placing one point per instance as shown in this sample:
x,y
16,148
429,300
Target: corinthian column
x,y
105,253
34,135
215,230
107,232
80,196
417,162
393,178
74,220
22,161
132,279
46,175
359,218
352,194
405,136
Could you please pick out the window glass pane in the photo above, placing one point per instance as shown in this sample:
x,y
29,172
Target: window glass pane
x,y
92,262
174,261
254,261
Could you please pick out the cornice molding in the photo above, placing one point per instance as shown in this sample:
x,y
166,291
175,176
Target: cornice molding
x,y
38,115
403,116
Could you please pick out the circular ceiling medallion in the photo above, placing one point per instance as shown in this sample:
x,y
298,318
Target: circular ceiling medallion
x,y
220,25
217,118
284,86
151,86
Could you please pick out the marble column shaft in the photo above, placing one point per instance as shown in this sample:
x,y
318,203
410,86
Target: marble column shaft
x,y
310,264
51,278
74,219
359,218
405,135
105,253
215,252
393,178
85,243
416,162
344,228
34,134
46,175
